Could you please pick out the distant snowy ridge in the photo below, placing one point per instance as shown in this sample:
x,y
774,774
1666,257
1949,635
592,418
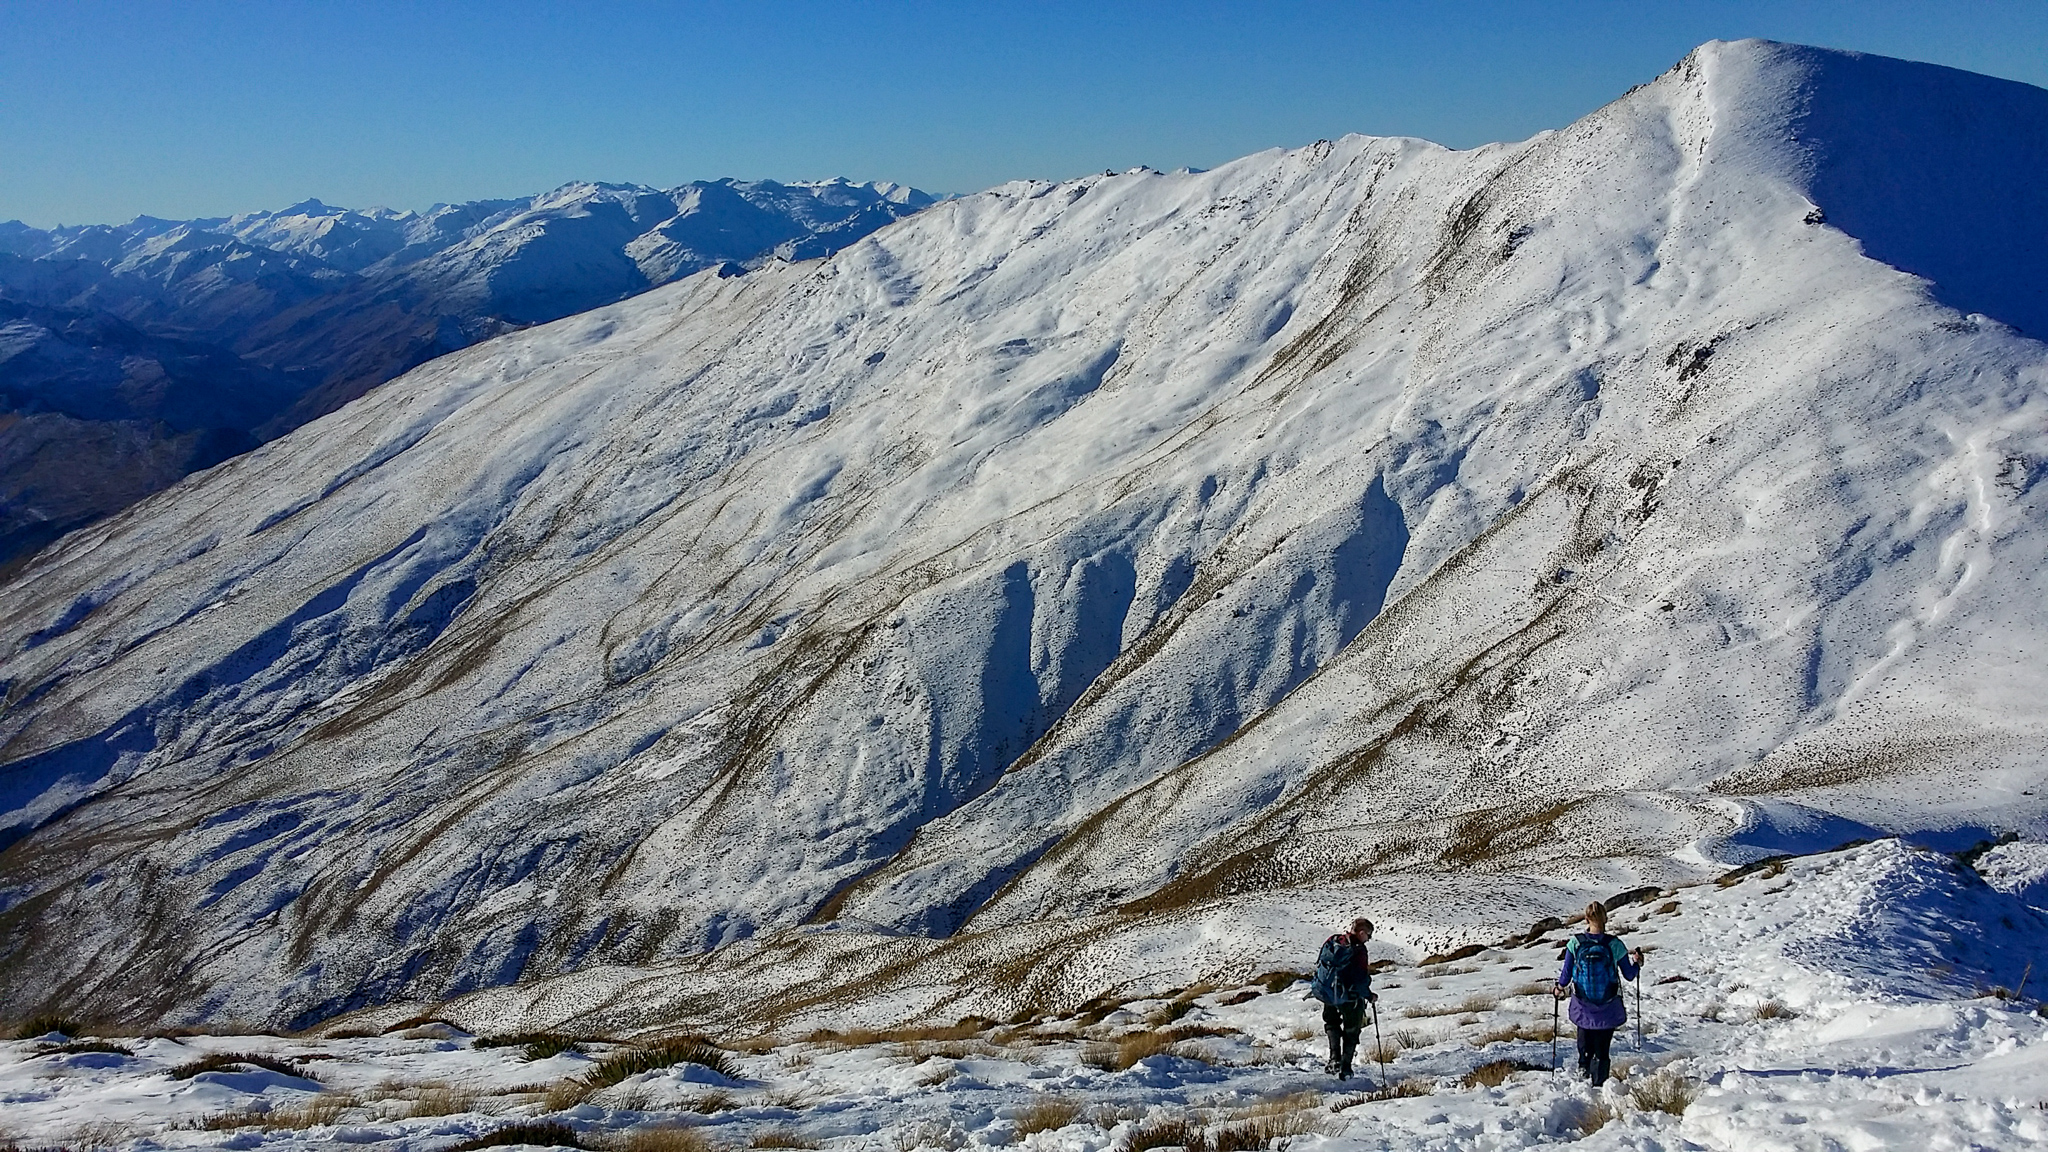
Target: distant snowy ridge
x,y
1091,581
317,304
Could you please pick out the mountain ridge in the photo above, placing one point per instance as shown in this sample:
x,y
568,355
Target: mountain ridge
x,y
1080,578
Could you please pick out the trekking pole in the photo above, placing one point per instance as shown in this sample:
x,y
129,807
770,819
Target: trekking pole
x,y
1553,1033
1639,1008
1379,1046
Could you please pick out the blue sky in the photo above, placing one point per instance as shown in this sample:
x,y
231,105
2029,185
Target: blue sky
x,y
108,110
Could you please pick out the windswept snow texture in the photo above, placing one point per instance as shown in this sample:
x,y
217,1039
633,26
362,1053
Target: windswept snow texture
x,y
1836,1002
1087,578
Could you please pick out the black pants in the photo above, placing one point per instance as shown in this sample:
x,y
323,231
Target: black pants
x,y
1341,1022
1593,1055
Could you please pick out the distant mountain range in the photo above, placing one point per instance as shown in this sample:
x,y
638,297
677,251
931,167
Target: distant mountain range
x,y
133,354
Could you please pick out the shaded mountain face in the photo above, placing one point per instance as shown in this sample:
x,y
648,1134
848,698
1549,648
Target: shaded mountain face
x,y
332,302
1072,587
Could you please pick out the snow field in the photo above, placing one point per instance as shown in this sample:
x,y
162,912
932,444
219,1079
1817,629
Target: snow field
x,y
1825,1002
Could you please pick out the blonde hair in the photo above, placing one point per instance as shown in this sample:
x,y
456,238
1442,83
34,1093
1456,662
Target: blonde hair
x,y
1596,916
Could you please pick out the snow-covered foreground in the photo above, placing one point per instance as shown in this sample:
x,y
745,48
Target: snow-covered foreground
x,y
1846,1000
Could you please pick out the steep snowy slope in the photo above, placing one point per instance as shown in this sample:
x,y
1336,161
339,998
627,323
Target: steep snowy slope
x,y
1108,577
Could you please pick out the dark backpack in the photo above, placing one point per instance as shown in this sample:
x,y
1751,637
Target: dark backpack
x,y
1331,982
1596,977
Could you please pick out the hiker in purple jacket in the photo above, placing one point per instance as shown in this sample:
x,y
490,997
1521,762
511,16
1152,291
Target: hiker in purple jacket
x,y
1594,966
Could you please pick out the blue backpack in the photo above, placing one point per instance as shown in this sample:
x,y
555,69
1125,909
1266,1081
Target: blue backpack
x,y
1333,964
1596,973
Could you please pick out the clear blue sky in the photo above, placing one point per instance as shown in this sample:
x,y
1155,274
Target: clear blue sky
x,y
195,108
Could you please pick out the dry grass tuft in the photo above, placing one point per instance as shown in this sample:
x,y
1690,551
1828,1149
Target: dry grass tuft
x,y
1413,1086
226,1061
1494,1073
566,1094
627,1062
324,1109
1169,1132
44,1023
1119,1054
441,1100
667,1139
1046,1113
1525,1030
533,1045
1665,1091
82,1047
545,1133
1257,1127
1592,1118
1774,1010
781,1138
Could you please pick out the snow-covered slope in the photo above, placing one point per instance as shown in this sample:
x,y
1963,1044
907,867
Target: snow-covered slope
x,y
1106,577
1844,1001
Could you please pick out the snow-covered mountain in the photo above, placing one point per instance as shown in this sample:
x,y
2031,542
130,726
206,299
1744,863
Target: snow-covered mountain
x,y
326,303
1092,583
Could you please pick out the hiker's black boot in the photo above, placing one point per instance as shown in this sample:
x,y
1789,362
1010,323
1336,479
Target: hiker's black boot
x,y
1344,1071
1336,1060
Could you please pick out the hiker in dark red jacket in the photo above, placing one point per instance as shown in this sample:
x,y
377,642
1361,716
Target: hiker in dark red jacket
x,y
1343,982
1594,966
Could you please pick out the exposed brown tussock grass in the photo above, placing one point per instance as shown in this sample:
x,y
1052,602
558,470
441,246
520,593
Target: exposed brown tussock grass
x,y
228,1061
627,1062
1179,1131
1772,1010
1400,1090
1664,1091
665,1139
326,1108
863,1037
1524,1030
921,1050
44,1023
1257,1127
1477,1002
1592,1118
1494,1073
1119,1054
441,1100
781,1138
565,1094
1046,1113
83,1047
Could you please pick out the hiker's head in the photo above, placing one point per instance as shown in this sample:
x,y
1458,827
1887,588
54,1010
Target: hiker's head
x,y
1596,917
1362,928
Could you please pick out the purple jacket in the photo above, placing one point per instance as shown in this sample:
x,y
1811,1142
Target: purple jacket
x,y
1586,1014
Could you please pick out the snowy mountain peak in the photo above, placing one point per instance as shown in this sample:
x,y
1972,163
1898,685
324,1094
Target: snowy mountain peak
x,y
1082,574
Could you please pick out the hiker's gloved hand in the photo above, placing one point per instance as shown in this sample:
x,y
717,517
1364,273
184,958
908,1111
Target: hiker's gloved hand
x,y
1372,997
1636,957
1560,992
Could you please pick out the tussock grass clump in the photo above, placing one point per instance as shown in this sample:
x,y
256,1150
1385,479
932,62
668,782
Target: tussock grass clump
x,y
534,1045
1665,1091
663,1140
781,1138
544,1132
44,1023
1592,1118
1119,1054
1279,981
324,1109
1169,1132
1524,1030
441,1100
1494,1073
1257,1127
1046,1113
1773,1010
81,1047
1403,1089
626,1062
226,1061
